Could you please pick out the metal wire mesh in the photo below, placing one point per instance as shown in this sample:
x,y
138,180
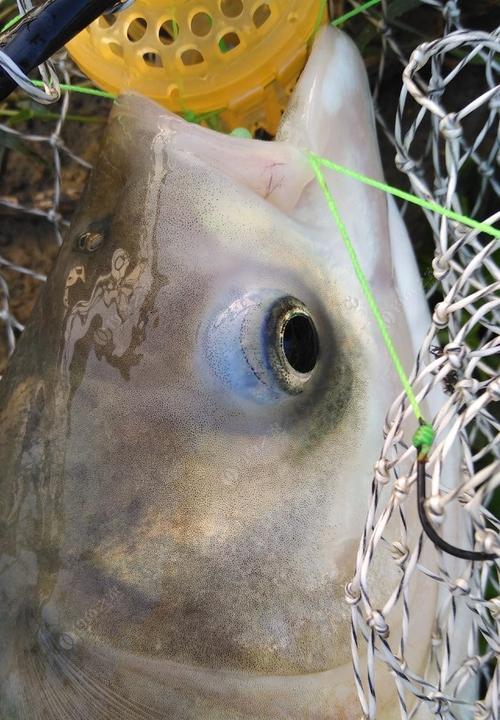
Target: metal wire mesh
x,y
441,147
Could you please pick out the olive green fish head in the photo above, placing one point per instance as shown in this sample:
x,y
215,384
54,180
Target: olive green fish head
x,y
199,402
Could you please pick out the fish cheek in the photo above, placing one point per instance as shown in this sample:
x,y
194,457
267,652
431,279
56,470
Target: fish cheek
x,y
334,401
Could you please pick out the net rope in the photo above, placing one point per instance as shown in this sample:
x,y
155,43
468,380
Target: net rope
x,y
441,147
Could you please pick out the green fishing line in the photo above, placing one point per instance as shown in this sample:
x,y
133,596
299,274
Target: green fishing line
x,y
424,436
365,287
423,439
319,17
427,204
80,89
352,13
11,23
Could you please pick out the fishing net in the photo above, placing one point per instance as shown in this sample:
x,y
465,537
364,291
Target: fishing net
x,y
444,135
442,146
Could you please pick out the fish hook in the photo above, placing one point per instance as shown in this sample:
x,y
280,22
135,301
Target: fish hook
x,y
422,440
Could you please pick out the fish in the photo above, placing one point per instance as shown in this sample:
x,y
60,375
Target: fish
x,y
189,424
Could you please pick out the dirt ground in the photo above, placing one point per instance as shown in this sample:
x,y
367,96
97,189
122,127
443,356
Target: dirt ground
x,y
27,171
27,179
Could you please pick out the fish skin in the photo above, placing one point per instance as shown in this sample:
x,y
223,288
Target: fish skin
x,y
177,530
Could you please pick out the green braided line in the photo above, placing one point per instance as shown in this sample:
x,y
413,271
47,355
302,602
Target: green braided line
x,y
424,436
423,439
434,207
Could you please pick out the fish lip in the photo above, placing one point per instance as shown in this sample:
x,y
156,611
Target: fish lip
x,y
160,664
230,693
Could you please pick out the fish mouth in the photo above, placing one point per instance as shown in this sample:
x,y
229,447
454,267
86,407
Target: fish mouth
x,y
220,694
111,681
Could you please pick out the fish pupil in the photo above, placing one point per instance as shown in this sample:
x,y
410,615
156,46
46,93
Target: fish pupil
x,y
300,343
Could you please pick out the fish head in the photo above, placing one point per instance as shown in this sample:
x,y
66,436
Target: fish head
x,y
215,390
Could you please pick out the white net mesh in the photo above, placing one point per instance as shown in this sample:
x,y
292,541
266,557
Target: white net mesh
x,y
440,146
443,144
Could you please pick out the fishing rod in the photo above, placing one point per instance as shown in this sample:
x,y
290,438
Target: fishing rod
x,y
45,30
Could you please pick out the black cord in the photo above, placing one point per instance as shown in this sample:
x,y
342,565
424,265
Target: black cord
x,y
430,531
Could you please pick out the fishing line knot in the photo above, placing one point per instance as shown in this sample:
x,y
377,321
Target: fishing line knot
x,y
423,439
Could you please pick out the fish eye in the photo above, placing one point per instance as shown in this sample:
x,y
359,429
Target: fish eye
x,y
293,343
300,344
263,345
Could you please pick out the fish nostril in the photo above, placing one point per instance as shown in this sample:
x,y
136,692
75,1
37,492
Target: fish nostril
x,y
300,343
89,241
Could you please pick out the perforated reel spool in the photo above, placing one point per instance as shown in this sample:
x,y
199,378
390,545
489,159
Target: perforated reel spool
x,y
237,58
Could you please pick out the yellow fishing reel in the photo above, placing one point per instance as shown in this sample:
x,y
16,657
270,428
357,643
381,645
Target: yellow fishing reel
x,y
227,63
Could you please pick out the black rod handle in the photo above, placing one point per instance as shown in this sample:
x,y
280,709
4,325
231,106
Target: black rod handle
x,y
43,31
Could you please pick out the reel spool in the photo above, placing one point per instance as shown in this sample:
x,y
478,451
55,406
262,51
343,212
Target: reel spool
x,y
227,63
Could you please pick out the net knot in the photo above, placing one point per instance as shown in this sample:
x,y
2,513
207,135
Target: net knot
x,y
435,510
466,497
494,389
440,316
440,187
460,587
495,102
494,608
489,540
385,29
352,593
485,168
440,267
418,57
441,703
468,388
481,712
377,622
400,553
451,11
405,164
56,140
450,127
53,216
382,471
472,664
455,354
402,487
436,639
